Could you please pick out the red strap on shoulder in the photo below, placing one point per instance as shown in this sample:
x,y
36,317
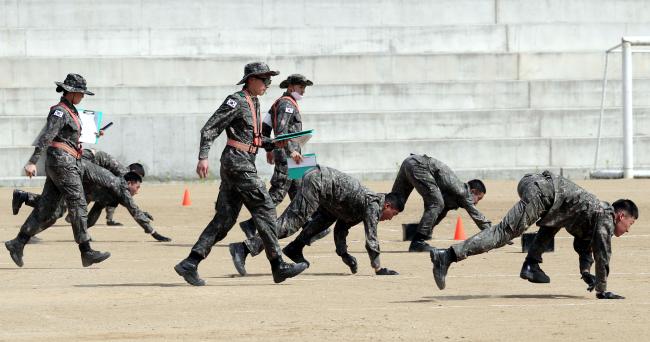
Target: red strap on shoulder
x,y
257,128
74,117
275,109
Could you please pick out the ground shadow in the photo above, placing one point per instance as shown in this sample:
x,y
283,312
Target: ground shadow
x,y
134,285
42,268
183,244
253,275
437,299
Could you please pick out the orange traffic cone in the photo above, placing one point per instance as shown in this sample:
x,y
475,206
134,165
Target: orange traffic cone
x,y
186,198
460,231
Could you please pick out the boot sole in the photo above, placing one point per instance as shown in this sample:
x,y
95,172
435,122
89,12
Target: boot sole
x,y
242,271
181,272
531,278
441,283
17,261
97,261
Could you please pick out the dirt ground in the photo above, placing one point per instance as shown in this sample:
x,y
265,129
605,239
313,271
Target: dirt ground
x,y
135,295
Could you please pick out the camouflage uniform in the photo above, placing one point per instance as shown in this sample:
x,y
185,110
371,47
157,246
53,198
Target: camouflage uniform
x,y
107,161
64,172
554,202
101,186
440,189
240,183
332,196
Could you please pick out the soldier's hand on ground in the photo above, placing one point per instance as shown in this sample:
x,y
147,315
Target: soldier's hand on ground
x,y
296,156
385,271
590,280
148,215
30,170
269,157
202,168
160,238
608,295
350,261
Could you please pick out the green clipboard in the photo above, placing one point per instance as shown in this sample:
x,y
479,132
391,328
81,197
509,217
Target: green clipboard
x,y
290,136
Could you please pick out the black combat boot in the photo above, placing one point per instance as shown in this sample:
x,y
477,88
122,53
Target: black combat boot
x,y
419,246
441,261
293,251
93,257
350,261
188,271
282,270
248,227
19,197
113,223
533,273
238,252
15,248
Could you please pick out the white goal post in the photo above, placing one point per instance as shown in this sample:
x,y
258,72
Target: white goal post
x,y
625,47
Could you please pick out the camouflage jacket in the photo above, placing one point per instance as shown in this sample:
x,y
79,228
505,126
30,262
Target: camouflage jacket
x,y
585,217
346,199
285,118
234,116
60,126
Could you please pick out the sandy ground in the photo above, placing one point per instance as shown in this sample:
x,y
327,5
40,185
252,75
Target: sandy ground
x,y
135,295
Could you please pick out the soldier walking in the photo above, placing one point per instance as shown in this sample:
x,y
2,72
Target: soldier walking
x,y
239,116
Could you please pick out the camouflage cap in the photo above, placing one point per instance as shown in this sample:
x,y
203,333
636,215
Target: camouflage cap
x,y
295,79
259,69
74,83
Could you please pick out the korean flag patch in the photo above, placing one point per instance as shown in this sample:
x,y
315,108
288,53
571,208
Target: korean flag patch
x,y
232,103
58,113
289,110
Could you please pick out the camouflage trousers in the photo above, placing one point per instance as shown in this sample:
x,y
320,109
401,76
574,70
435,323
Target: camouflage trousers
x,y
110,211
64,182
545,235
241,188
320,221
536,195
414,174
297,213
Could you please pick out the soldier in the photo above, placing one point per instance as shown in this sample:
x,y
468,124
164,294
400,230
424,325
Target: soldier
x,y
239,116
551,201
441,190
283,117
63,169
333,196
103,188
582,244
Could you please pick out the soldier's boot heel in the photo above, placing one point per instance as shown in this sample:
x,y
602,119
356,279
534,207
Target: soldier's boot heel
x,y
441,260
294,252
17,200
189,272
248,227
285,270
238,253
533,273
93,257
15,249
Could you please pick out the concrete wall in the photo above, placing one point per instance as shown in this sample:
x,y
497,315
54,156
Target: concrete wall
x,y
494,88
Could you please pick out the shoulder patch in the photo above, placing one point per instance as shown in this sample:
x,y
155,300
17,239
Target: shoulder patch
x,y
58,113
289,110
232,103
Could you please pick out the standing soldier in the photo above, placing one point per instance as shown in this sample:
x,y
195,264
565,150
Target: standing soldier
x,y
551,201
329,195
64,170
239,115
284,117
441,190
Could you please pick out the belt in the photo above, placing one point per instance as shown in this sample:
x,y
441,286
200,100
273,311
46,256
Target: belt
x,y
241,146
70,150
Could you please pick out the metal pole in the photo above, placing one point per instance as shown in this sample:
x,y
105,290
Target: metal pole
x,y
602,111
628,128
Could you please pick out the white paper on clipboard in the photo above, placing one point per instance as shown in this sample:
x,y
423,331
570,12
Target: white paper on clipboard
x,y
90,121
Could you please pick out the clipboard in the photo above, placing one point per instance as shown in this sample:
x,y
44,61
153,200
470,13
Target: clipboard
x,y
90,121
296,171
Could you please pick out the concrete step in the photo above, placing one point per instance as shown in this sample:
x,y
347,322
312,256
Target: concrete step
x,y
228,41
167,158
433,96
255,13
377,125
572,11
332,70
222,41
